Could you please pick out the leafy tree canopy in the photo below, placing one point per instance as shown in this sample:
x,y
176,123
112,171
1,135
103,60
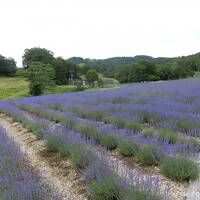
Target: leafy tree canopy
x,y
37,54
92,76
41,77
7,66
64,70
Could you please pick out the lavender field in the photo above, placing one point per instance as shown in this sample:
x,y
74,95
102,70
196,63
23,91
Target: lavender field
x,y
139,141
18,180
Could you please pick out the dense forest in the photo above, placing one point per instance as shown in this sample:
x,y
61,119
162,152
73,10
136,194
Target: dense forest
x,y
124,69
134,69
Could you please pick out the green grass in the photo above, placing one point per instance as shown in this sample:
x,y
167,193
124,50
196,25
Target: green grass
x,y
110,81
16,87
61,89
13,88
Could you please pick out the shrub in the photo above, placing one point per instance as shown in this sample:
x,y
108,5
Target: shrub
x,y
144,116
148,131
99,116
107,119
89,131
36,128
128,148
139,195
69,122
55,144
155,118
142,101
148,156
179,169
56,106
79,85
105,188
185,125
119,123
36,89
169,136
135,126
109,141
193,142
80,155
53,116
52,143
120,100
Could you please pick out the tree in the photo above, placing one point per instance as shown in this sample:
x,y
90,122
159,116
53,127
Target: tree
x,y
91,77
100,82
41,77
37,54
137,72
79,85
165,71
64,70
7,66
84,69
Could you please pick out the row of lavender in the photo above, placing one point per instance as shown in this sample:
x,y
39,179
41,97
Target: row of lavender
x,y
124,109
102,106
162,148
102,180
17,180
173,105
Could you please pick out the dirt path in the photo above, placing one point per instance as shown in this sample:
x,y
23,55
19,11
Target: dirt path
x,y
59,174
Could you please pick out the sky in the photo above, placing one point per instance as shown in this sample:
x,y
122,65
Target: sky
x,y
100,28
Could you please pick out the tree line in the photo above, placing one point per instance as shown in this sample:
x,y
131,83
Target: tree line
x,y
135,69
150,71
44,70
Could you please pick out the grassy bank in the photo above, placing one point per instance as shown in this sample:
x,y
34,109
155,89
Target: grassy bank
x,y
15,87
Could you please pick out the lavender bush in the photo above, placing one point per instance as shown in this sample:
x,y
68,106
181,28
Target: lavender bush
x,y
17,179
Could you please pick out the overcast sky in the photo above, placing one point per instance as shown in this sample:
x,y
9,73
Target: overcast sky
x,y
100,28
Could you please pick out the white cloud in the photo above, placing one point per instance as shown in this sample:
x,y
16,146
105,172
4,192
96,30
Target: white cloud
x,y
100,28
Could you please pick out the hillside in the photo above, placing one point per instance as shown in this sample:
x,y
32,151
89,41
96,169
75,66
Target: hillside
x,y
109,66
117,61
